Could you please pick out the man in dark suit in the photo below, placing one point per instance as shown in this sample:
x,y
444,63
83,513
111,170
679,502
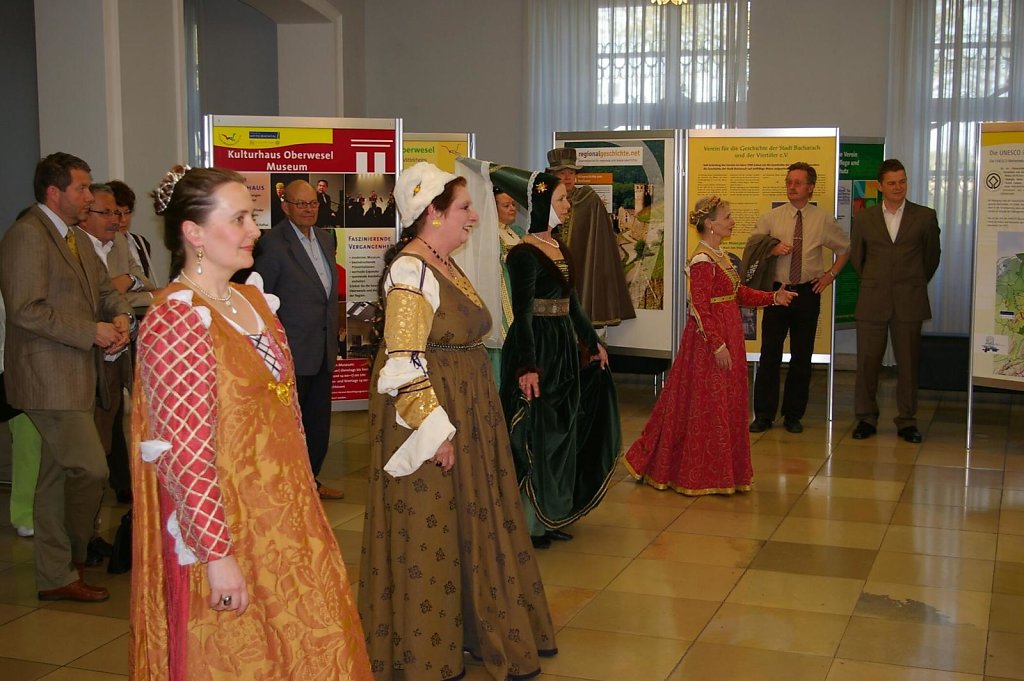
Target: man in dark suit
x,y
895,250
296,261
62,314
325,216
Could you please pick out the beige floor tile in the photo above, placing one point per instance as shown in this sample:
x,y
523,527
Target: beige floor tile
x,y
1006,613
31,637
855,670
843,508
572,569
952,494
23,670
816,450
696,548
855,488
831,595
677,580
936,456
866,470
605,540
637,516
565,601
1011,548
957,649
943,572
111,658
610,656
1011,522
645,615
795,631
726,524
342,511
12,612
353,525
781,483
350,543
713,662
634,493
1014,480
788,464
966,477
1008,578
18,586
814,559
1015,458
1013,500
949,517
72,674
752,502
938,542
14,549
850,534
117,606
1005,655
924,604
873,450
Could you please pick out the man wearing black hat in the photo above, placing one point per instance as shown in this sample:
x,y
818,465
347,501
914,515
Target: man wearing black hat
x,y
588,233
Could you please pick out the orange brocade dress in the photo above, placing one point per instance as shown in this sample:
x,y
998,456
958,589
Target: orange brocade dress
x,y
238,483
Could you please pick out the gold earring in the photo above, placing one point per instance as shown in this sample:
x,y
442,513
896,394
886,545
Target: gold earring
x,y
436,222
199,260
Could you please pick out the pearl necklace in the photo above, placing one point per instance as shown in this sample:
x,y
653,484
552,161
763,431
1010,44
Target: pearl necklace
x,y
226,300
549,242
717,251
444,261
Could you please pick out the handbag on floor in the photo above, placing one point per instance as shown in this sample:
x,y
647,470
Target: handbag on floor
x,y
121,555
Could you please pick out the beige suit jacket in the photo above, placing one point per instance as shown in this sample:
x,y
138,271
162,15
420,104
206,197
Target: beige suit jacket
x,y
894,276
53,304
120,261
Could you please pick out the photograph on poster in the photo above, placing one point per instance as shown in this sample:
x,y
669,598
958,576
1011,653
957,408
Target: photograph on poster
x,y
328,194
1008,359
278,182
369,201
629,177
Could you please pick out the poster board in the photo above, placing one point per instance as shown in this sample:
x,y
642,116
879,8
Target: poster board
x,y
997,326
638,175
859,160
353,164
438,148
748,169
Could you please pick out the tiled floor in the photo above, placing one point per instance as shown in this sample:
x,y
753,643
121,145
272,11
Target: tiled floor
x,y
850,560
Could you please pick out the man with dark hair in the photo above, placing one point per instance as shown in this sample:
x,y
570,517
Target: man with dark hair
x,y
62,312
325,216
895,250
297,263
803,230
138,246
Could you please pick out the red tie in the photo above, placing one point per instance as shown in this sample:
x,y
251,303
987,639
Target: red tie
x,y
796,258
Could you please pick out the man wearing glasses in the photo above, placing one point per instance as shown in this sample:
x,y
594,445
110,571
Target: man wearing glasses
x,y
297,263
141,250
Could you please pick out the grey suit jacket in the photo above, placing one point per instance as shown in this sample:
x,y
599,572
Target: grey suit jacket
x,y
120,261
308,313
894,276
53,305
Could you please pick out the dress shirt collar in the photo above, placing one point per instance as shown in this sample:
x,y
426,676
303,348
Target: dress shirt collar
x,y
57,221
303,237
898,211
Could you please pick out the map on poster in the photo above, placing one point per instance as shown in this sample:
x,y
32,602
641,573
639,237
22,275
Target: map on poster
x,y
1007,343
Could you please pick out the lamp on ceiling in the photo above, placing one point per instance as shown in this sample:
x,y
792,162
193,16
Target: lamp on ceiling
x,y
666,2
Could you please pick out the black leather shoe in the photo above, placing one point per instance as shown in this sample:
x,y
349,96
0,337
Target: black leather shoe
x,y
911,434
793,425
863,431
541,542
558,535
759,425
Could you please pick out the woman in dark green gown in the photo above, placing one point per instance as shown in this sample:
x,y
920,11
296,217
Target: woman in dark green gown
x,y
557,393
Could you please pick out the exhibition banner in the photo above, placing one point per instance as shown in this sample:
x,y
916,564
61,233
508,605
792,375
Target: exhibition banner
x,y
747,168
635,176
440,149
352,165
997,339
859,160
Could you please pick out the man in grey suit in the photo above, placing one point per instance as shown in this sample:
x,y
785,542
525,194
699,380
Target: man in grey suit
x,y
895,250
61,311
297,263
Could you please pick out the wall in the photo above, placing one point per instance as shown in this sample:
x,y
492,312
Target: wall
x,y
237,60
460,70
308,65
19,135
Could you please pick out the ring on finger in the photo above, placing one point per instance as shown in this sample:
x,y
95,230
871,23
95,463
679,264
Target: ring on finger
x,y
225,600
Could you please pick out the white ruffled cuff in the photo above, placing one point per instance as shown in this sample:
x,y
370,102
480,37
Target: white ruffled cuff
x,y
151,450
421,445
398,371
256,279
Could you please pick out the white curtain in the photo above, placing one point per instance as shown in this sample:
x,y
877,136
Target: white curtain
x,y
953,64
631,65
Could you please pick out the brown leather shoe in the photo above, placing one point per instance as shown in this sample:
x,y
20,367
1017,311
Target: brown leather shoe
x,y
329,493
76,591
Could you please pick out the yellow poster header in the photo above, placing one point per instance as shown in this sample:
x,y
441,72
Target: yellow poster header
x,y
269,138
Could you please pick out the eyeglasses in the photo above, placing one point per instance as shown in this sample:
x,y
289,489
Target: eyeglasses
x,y
111,213
302,204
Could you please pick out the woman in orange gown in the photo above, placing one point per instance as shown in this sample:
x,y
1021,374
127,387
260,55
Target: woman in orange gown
x,y
237,573
696,441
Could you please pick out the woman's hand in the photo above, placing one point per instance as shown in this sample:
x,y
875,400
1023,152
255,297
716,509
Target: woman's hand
x,y
530,385
601,356
723,359
444,456
227,585
784,297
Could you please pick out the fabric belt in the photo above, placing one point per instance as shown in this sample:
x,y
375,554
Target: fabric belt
x,y
550,307
724,299
454,346
806,286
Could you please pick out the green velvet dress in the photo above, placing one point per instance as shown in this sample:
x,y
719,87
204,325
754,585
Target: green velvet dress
x,y
564,443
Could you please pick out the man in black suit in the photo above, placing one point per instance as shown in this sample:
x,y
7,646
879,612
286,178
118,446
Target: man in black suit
x,y
894,247
325,216
297,263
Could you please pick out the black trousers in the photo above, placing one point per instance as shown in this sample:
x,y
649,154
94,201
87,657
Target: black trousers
x,y
800,322
315,404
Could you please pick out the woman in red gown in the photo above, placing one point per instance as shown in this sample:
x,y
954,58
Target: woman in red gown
x,y
696,440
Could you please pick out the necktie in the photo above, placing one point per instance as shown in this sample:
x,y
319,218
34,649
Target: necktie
x,y
72,243
796,258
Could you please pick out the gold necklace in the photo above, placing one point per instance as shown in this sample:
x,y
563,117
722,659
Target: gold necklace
x,y
226,300
552,243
